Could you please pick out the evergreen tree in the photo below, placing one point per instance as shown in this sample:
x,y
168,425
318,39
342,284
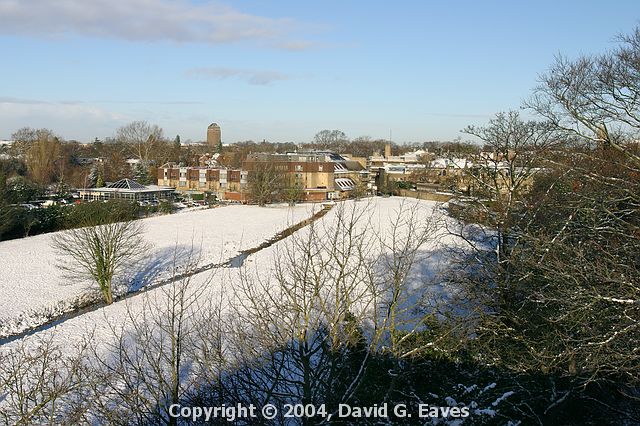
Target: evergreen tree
x,y
92,177
176,149
140,174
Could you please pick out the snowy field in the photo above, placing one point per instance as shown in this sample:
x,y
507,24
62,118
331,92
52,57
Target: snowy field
x,y
223,233
32,286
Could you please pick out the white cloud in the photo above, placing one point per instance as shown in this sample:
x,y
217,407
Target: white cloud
x,y
73,120
12,100
161,102
256,77
145,20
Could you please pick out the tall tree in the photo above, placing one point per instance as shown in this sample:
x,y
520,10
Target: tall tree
x,y
44,157
176,149
265,183
23,138
140,138
595,97
565,301
331,139
517,148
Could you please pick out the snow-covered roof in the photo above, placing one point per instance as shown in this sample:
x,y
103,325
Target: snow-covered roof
x,y
443,163
395,168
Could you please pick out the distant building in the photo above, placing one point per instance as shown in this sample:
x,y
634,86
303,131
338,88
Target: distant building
x,y
214,135
127,189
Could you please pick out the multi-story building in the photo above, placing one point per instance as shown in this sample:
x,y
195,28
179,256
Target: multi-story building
x,y
320,175
311,173
317,176
226,184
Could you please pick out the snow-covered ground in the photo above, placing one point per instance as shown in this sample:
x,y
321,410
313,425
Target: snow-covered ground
x,y
32,286
222,233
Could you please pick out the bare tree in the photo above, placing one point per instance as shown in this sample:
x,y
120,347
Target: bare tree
x,y
23,138
585,228
293,191
163,352
518,151
265,183
41,382
100,252
338,294
400,247
291,322
360,190
564,302
331,139
166,347
595,97
140,138
44,157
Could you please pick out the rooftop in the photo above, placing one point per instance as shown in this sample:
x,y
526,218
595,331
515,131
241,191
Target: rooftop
x,y
129,186
126,184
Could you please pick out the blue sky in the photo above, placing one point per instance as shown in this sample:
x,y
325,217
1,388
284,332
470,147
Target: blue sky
x,y
284,70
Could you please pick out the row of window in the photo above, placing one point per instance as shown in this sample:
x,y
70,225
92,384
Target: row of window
x,y
184,183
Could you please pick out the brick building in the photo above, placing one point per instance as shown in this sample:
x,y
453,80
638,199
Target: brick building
x,y
225,184
320,175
